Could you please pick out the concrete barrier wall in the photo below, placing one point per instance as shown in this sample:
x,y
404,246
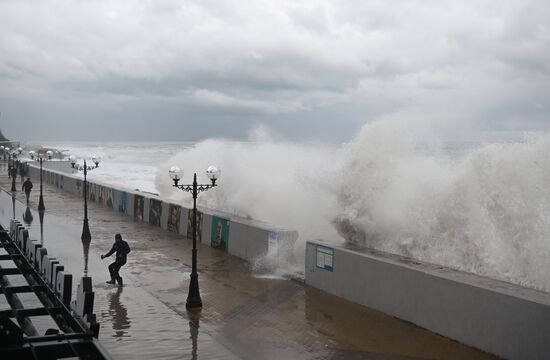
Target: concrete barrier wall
x,y
498,317
243,238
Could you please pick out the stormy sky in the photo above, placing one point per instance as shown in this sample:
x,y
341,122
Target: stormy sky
x,y
187,70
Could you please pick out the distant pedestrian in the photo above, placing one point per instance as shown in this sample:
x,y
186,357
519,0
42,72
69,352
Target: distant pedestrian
x,y
122,250
27,187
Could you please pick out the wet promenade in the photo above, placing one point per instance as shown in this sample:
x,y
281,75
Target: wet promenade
x,y
245,316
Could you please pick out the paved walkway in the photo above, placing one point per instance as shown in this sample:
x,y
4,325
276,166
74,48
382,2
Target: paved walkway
x,y
245,315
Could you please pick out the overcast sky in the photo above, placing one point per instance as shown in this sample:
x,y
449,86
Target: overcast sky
x,y
187,70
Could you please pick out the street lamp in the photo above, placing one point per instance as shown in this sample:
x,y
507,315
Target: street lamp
x,y
96,160
194,301
41,206
86,236
13,172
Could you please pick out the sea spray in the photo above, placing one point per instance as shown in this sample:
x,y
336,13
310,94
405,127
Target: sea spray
x,y
486,211
286,184
483,208
480,208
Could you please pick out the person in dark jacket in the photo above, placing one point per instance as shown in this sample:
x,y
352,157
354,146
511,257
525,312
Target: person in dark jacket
x,y
27,187
122,250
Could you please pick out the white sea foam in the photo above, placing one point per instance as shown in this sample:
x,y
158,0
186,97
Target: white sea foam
x,y
482,208
486,210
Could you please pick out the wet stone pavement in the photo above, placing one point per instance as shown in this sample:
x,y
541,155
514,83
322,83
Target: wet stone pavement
x,y
245,315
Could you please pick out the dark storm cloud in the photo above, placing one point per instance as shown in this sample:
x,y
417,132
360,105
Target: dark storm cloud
x,y
231,64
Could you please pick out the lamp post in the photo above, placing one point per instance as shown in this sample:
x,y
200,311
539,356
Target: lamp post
x,y
194,301
13,204
41,206
7,150
13,173
96,160
86,236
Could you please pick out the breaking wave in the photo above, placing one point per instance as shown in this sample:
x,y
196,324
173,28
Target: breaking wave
x,y
482,208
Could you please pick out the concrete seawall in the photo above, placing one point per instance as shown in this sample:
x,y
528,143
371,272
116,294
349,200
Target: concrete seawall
x,y
498,317
244,238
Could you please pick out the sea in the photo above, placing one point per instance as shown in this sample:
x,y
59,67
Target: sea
x,y
480,207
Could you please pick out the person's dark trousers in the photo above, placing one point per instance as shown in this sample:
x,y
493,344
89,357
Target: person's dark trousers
x,y
113,270
28,195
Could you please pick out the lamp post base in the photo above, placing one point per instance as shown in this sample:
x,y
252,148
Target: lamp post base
x,y
13,188
194,302
86,236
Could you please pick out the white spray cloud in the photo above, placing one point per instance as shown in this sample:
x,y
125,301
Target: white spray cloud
x,y
483,209
478,208
286,184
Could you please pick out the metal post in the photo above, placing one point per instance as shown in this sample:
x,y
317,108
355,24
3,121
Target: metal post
x,y
86,236
41,206
194,301
13,175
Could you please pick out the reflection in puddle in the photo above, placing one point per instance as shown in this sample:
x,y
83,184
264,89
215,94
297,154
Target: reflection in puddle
x,y
194,331
119,315
27,216
41,216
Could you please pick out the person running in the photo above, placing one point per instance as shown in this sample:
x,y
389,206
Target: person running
x,y
122,250
27,187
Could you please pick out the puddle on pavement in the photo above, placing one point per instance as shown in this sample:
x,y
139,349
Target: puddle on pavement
x,y
263,316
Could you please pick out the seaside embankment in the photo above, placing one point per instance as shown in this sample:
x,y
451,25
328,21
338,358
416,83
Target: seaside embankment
x,y
245,315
